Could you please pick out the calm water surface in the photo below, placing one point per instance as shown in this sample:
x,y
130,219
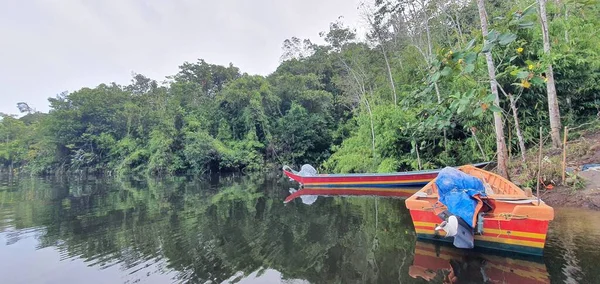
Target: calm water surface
x,y
237,230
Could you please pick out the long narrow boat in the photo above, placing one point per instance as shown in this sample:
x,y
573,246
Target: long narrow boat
x,y
506,217
370,180
433,260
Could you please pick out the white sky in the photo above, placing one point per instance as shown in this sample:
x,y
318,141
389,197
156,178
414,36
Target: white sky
x,y
50,46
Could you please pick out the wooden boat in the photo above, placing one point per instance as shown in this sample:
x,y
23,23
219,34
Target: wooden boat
x,y
436,260
507,219
370,180
403,192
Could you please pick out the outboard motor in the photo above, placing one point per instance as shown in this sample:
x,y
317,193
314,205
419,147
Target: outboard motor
x,y
456,227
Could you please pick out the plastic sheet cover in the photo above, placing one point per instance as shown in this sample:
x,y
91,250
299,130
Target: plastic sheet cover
x,y
456,190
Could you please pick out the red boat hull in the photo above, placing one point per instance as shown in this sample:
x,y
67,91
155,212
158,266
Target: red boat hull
x,y
384,180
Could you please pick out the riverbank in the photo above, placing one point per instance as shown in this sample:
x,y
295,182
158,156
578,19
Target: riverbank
x,y
581,187
574,196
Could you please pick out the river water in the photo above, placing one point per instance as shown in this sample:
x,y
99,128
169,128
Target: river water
x,y
237,230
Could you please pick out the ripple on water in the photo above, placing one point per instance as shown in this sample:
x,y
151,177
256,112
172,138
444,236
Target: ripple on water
x,y
572,247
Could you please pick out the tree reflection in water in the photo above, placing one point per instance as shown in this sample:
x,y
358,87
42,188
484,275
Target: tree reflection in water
x,y
238,229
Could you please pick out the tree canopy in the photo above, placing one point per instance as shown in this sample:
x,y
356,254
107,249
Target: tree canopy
x,y
413,94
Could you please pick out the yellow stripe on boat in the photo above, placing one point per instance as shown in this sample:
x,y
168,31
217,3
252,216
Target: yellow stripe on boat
x,y
510,241
514,233
487,231
494,239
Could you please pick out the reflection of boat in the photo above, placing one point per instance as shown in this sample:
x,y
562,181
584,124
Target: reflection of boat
x,y
310,178
504,218
360,191
434,261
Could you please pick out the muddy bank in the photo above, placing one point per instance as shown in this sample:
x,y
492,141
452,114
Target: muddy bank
x,y
587,197
566,197
582,181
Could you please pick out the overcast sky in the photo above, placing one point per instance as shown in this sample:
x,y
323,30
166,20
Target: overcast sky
x,y
50,46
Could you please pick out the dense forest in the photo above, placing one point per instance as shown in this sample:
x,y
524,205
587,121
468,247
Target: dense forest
x,y
432,83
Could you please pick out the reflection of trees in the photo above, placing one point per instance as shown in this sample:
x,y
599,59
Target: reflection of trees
x,y
572,247
210,234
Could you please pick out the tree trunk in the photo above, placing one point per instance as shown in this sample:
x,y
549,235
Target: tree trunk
x,y
483,155
513,106
361,96
387,64
376,30
500,143
418,156
566,20
429,45
553,109
430,54
372,127
439,100
455,23
460,34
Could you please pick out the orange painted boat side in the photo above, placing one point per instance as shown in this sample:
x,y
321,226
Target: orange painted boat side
x,y
509,226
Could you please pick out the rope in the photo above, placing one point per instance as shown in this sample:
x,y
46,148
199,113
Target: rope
x,y
506,216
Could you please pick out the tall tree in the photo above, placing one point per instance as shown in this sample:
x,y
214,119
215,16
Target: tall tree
x,y
376,35
499,127
553,109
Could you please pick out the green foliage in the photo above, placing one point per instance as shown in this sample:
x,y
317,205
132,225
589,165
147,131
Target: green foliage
x,y
331,105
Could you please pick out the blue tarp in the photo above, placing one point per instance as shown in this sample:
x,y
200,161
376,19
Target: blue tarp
x,y
456,190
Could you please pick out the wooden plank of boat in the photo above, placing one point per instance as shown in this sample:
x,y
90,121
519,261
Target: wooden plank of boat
x,y
368,180
509,226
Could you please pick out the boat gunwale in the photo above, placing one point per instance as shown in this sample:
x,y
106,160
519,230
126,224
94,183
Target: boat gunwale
x,y
351,175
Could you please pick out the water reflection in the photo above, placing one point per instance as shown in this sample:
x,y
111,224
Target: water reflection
x,y
443,263
572,247
234,230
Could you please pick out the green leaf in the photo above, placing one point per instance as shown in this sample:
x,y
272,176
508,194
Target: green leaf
x,y
478,111
495,108
470,44
538,81
490,98
529,10
471,57
522,75
446,71
526,25
470,68
492,36
435,77
487,47
506,38
515,72
513,58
